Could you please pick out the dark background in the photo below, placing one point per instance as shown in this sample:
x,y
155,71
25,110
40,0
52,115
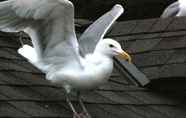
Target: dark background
x,y
134,9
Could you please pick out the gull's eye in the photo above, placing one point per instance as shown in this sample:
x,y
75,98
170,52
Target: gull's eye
x,y
111,46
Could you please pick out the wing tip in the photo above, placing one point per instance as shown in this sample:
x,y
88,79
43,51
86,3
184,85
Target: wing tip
x,y
171,11
119,7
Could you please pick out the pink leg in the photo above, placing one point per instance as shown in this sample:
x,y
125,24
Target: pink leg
x,y
75,114
85,113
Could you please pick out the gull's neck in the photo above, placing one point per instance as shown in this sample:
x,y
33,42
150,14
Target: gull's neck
x,y
99,63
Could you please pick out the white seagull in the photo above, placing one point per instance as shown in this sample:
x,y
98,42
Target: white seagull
x,y
74,64
177,8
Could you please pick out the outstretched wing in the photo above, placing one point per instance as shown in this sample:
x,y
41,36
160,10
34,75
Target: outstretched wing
x,y
49,23
95,32
171,10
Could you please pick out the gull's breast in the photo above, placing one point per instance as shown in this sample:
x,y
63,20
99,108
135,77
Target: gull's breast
x,y
92,76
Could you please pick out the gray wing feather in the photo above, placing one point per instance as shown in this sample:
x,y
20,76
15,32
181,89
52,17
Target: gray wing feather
x,y
9,21
171,10
49,23
95,32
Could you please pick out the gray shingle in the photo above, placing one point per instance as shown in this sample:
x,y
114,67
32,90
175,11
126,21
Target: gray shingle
x,y
25,92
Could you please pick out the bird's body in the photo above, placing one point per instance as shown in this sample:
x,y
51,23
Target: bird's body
x,y
86,78
177,8
95,71
56,50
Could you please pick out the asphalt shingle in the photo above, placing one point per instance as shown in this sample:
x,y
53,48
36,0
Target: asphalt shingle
x,y
159,54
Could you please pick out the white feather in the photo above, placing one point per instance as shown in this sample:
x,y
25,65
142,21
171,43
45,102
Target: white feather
x,y
182,6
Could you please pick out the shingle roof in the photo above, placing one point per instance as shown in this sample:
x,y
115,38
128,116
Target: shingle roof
x,y
154,45
157,45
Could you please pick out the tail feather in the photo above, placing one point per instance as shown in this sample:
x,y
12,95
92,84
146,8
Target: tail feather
x,y
29,53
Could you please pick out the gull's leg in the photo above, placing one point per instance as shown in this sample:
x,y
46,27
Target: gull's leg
x,y
85,113
76,115
68,89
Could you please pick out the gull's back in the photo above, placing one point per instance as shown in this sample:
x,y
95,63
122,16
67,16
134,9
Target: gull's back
x,y
182,6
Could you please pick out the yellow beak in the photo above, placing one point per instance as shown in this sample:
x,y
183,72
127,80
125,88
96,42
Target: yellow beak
x,y
125,55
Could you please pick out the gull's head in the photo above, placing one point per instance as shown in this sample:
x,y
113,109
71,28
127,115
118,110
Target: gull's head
x,y
111,48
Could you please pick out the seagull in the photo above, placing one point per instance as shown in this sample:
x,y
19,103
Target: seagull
x,y
177,8
74,64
